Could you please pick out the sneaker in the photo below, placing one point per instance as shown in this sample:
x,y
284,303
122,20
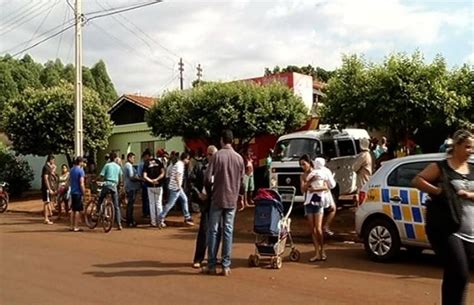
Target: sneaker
x,y
119,228
78,230
196,265
328,232
225,272
162,225
153,225
189,222
48,222
206,270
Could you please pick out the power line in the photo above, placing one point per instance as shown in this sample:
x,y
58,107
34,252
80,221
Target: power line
x,y
66,15
42,22
44,40
130,48
70,5
44,34
9,28
151,38
124,10
21,13
114,9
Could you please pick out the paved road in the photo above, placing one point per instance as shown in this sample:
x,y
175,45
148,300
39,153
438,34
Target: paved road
x,y
47,265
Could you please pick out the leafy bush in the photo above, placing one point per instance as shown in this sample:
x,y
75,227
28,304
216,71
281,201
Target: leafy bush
x,y
15,170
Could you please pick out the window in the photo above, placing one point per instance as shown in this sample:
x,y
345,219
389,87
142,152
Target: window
x,y
404,174
150,145
329,149
293,149
346,147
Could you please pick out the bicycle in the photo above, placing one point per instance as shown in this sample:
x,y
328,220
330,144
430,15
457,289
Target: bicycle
x,y
3,197
106,213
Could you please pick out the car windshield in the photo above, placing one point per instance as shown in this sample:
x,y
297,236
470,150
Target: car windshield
x,y
293,149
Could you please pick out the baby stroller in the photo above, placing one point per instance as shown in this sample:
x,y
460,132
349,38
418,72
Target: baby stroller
x,y
272,227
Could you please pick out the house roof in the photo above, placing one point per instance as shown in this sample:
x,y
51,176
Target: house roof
x,y
144,102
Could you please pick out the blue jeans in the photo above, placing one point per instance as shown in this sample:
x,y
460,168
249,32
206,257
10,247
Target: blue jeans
x,y
131,195
227,216
112,189
172,198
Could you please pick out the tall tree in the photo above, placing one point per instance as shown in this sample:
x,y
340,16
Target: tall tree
x,y
41,121
247,109
400,95
103,84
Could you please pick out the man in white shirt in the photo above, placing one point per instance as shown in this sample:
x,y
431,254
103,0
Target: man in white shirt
x,y
176,191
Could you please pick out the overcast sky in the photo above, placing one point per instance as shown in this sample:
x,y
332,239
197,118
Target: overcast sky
x,y
237,39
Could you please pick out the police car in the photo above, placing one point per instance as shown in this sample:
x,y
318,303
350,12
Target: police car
x,y
391,214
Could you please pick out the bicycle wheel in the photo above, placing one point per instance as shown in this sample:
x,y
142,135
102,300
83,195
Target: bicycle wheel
x,y
91,214
3,204
108,216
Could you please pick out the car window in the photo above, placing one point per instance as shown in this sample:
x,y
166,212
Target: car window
x,y
346,147
357,144
404,174
329,149
293,149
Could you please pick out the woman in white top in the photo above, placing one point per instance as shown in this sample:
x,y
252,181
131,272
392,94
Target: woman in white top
x,y
63,190
313,185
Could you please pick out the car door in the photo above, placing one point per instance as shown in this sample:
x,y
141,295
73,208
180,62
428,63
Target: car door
x,y
342,165
406,204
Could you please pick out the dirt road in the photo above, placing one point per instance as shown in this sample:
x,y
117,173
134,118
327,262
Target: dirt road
x,y
48,265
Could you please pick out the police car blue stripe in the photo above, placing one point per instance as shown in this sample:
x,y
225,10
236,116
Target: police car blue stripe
x,y
416,214
410,231
385,195
397,212
404,196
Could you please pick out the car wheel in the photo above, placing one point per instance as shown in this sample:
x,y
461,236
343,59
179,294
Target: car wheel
x,y
381,240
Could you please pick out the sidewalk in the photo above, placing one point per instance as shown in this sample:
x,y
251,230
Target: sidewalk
x,y
343,224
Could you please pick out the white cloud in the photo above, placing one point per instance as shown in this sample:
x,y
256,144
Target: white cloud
x,y
238,39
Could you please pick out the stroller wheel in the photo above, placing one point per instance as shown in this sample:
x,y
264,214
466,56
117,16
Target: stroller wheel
x,y
295,255
277,262
254,260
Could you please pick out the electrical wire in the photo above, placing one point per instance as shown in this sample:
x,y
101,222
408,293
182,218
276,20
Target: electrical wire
x,y
149,37
66,15
15,26
130,48
43,40
41,24
117,11
21,12
134,32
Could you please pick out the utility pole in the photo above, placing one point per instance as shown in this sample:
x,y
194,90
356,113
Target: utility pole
x,y
78,130
199,72
181,70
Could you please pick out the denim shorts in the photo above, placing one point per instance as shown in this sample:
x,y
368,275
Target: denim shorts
x,y
312,209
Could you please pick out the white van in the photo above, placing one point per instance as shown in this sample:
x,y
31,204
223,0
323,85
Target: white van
x,y
340,147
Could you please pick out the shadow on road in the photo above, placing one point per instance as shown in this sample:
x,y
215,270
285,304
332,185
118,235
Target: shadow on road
x,y
407,265
148,268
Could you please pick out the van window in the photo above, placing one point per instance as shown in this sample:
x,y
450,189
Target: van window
x,y
402,175
329,149
346,147
293,149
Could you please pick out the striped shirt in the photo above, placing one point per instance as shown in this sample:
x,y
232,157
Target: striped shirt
x,y
176,176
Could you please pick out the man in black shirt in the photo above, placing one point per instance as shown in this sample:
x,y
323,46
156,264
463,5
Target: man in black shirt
x,y
47,190
154,176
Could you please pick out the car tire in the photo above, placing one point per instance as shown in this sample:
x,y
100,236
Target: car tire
x,y
381,240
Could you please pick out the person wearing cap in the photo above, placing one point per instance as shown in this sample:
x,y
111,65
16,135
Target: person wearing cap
x,y
363,164
78,190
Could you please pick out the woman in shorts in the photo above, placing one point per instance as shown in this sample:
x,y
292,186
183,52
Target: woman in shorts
x,y
313,185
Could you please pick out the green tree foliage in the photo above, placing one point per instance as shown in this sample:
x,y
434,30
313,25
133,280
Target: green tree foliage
x,y
41,121
15,170
16,76
245,108
400,95
103,84
317,73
